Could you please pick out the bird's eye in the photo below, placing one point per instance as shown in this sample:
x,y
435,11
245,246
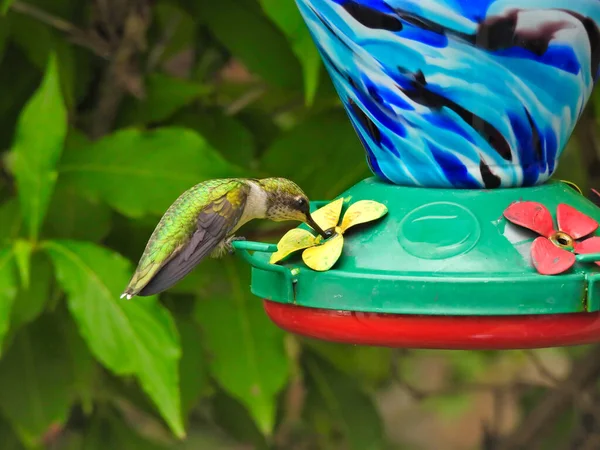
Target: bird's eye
x,y
300,202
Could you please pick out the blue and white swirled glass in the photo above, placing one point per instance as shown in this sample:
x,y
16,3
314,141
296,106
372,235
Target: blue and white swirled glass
x,y
460,93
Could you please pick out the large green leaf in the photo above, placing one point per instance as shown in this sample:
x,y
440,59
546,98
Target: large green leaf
x,y
36,375
30,302
226,134
136,337
22,250
192,367
165,95
352,411
37,147
82,363
241,26
10,441
286,15
8,291
248,358
232,417
141,172
10,221
72,216
323,155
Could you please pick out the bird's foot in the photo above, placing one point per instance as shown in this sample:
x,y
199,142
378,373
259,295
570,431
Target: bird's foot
x,y
229,243
226,247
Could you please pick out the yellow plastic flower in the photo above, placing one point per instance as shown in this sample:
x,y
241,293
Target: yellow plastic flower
x,y
321,254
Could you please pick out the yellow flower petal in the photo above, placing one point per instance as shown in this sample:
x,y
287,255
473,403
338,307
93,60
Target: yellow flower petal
x,y
292,241
328,216
361,212
323,257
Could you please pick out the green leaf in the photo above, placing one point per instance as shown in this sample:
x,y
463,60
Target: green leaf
x,y
323,155
287,17
72,216
5,6
165,95
352,411
10,221
70,71
35,380
242,27
22,250
248,357
231,415
226,134
30,302
141,172
37,147
135,337
10,441
8,291
192,367
82,363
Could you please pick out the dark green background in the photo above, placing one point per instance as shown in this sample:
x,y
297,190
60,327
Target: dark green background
x,y
109,109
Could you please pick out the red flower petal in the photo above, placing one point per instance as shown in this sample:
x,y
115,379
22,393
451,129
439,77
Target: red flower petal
x,y
531,215
574,223
549,259
590,245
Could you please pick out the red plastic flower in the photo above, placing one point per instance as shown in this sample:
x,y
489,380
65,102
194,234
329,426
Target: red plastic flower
x,y
553,253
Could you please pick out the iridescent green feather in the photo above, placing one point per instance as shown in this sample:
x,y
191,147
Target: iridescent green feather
x,y
179,223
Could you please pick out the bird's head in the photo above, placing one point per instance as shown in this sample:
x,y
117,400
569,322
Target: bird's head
x,y
286,201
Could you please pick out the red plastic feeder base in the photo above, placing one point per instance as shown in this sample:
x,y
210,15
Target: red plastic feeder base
x,y
437,332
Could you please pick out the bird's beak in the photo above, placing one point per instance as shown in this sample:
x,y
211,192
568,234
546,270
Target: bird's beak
x,y
309,221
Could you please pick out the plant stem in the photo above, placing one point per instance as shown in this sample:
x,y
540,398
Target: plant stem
x,y
75,34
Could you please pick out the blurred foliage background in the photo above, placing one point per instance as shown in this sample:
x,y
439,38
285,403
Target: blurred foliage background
x,y
109,109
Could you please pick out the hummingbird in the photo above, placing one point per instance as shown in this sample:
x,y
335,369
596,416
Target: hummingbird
x,y
202,222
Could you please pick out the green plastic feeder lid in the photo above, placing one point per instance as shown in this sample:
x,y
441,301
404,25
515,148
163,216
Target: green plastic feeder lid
x,y
436,252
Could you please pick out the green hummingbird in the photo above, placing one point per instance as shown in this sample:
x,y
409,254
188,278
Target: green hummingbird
x,y
202,222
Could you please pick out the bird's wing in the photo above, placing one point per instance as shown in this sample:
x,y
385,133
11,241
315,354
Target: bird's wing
x,y
215,221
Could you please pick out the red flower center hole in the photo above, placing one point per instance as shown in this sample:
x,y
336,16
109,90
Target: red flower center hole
x,y
562,240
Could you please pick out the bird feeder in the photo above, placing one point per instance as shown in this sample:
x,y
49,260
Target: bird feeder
x,y
464,109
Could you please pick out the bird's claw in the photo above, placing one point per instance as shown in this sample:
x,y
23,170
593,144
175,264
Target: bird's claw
x,y
231,240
